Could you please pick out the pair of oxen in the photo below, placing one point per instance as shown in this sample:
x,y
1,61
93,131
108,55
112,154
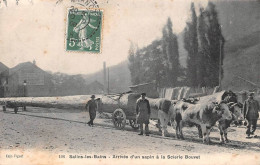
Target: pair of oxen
x,y
202,114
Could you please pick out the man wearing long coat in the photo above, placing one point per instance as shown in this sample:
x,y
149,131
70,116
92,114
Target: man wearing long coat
x,y
143,112
251,108
92,107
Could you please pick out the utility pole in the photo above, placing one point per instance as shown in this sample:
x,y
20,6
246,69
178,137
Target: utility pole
x,y
108,80
105,77
24,88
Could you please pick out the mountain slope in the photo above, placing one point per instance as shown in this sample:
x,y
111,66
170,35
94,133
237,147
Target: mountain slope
x,y
240,22
119,77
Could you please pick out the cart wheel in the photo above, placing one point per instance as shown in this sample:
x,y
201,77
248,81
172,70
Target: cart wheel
x,y
15,109
133,124
119,119
4,108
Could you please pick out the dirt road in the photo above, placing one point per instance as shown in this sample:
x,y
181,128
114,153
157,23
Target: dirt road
x,y
46,136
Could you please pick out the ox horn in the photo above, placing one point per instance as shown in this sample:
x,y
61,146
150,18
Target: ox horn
x,y
234,104
240,105
216,103
230,103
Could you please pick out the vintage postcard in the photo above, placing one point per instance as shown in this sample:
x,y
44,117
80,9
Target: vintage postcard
x,y
129,82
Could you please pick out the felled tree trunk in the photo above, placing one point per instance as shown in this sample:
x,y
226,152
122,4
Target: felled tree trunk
x,y
108,104
67,102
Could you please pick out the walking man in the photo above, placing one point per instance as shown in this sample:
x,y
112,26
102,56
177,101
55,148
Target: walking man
x,y
143,113
92,107
251,108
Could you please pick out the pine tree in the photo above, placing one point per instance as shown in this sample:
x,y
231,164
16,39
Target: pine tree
x,y
191,45
170,54
203,50
216,41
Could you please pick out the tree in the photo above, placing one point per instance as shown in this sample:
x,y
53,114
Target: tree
x,y
204,43
203,50
68,84
155,70
170,54
134,64
158,61
216,44
191,45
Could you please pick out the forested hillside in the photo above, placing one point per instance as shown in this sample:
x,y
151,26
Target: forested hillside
x,y
241,27
240,22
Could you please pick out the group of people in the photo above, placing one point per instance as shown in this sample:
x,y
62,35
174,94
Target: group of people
x,y
143,111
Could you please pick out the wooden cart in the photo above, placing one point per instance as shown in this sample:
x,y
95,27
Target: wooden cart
x,y
123,109
14,105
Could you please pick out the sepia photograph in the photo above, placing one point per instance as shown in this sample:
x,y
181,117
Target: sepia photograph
x,y
129,82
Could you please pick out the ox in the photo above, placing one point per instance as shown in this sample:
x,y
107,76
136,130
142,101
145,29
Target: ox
x,y
165,112
223,124
203,115
237,116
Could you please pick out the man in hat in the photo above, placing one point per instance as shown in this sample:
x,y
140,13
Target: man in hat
x,y
92,106
250,109
143,113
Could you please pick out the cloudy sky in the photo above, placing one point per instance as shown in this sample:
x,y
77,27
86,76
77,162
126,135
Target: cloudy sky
x,y
36,32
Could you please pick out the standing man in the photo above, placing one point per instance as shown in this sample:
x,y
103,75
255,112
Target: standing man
x,y
143,113
251,108
92,107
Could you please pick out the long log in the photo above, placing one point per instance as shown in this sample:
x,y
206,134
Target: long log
x,y
66,102
110,103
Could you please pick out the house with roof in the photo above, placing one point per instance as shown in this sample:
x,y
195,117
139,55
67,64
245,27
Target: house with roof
x,y
4,72
27,79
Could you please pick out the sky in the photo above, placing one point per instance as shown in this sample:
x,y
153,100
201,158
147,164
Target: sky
x,y
37,32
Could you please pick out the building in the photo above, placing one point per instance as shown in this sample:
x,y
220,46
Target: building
x,y
26,79
4,72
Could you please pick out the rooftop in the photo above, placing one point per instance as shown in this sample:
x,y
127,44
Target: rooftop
x,y
25,66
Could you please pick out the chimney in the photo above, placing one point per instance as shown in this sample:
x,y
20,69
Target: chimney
x,y
105,77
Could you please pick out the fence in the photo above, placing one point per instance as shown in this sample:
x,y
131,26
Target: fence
x,y
178,93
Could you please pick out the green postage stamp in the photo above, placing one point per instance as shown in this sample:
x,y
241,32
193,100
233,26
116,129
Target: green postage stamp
x,y
84,28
